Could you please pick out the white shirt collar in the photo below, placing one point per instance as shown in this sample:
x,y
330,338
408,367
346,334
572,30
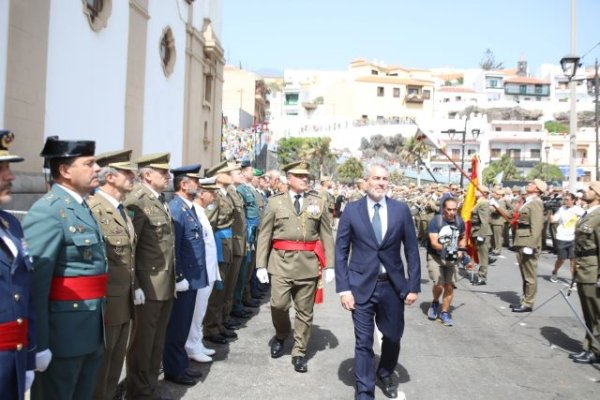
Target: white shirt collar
x,y
73,194
109,198
371,203
293,195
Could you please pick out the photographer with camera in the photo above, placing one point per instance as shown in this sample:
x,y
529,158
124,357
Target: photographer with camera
x,y
528,242
446,237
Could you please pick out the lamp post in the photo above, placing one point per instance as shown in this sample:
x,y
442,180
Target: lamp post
x,y
569,66
452,133
547,150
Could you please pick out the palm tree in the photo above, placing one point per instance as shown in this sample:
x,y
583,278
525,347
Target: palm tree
x,y
414,151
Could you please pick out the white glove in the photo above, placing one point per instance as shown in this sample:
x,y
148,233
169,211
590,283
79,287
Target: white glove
x,y
329,275
29,377
182,286
494,203
527,251
42,360
262,275
138,297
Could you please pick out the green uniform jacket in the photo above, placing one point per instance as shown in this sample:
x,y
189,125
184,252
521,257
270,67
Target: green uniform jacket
x,y
282,222
155,260
120,239
65,240
238,226
496,217
587,243
530,224
247,193
480,219
329,200
220,215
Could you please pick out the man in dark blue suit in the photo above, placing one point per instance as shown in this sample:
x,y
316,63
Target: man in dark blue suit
x,y
370,278
17,336
190,275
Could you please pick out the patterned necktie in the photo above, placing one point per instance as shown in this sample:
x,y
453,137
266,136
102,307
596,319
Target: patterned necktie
x,y
376,222
297,203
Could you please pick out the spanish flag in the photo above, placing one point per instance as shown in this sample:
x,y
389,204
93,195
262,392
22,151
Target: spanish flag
x,y
467,207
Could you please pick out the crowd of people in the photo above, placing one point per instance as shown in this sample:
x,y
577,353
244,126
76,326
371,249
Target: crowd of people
x,y
105,273
237,144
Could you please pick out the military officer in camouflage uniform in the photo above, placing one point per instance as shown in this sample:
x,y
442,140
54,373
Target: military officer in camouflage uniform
x,y
498,222
481,232
528,242
293,233
359,190
587,274
116,177
326,184
220,215
154,271
70,274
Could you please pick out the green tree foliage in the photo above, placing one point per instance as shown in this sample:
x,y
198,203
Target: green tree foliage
x,y
386,147
505,164
315,150
545,172
556,127
488,62
351,170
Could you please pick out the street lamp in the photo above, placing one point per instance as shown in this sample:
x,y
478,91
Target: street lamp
x,y
569,66
547,150
452,134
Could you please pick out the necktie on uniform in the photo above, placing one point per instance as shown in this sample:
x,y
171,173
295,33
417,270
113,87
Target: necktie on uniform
x,y
376,222
122,212
297,203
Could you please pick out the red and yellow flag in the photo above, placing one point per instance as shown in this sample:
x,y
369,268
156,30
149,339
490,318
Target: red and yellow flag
x,y
467,207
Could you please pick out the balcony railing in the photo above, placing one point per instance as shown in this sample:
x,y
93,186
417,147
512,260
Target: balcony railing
x,y
414,98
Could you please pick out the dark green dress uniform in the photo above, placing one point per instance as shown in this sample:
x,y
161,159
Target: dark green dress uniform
x,y
530,222
480,235
238,246
119,237
155,275
498,223
294,273
587,276
66,243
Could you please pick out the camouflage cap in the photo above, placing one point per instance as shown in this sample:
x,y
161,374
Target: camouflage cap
x,y
154,160
119,159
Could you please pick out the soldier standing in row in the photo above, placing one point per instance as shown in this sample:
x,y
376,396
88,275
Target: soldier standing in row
x,y
497,221
155,274
17,330
293,234
69,278
116,180
326,184
481,232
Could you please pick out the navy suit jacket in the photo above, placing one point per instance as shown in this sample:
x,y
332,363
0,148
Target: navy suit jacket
x,y
358,255
190,256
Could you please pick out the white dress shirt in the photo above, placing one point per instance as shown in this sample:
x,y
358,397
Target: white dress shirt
x,y
210,247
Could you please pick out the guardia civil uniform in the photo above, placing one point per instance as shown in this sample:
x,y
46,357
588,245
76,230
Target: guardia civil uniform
x,y
69,283
587,275
528,234
481,233
286,247
120,240
155,275
17,323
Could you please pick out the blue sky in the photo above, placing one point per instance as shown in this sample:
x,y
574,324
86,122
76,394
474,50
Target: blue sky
x,y
328,34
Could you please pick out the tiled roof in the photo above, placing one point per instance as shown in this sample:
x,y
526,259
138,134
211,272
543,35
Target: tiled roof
x,y
455,89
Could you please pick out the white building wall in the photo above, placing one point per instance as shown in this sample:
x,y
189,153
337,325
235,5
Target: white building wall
x,y
211,9
164,96
85,92
3,55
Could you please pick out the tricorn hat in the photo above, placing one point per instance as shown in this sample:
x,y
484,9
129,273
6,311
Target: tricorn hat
x,y
56,148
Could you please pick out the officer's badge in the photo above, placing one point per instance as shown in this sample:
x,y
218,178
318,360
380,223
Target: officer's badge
x,y
63,214
4,222
72,229
313,210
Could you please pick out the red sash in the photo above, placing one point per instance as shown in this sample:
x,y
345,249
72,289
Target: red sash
x,y
66,288
13,335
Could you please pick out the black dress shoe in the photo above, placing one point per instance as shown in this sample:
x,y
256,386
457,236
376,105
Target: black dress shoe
x,y
492,260
577,355
231,325
194,373
389,388
299,364
588,358
241,314
515,306
184,379
276,348
229,334
251,303
522,308
479,282
219,339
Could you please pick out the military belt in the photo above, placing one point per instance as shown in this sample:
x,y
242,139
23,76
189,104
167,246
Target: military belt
x,y
74,288
13,335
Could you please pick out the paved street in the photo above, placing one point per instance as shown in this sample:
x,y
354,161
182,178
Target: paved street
x,y
487,354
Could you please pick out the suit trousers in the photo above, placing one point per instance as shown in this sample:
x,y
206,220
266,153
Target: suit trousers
x,y
175,358
483,255
302,292
498,237
194,344
528,268
589,296
386,309
112,361
146,348
213,321
68,378
229,282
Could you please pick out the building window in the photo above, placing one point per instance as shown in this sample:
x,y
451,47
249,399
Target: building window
x,y
496,153
493,83
374,72
536,154
498,129
413,91
291,99
97,13
514,154
455,154
522,89
396,92
208,88
426,94
380,91
538,89
167,51
458,98
527,129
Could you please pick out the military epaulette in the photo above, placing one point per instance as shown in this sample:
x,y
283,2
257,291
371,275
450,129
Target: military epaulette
x,y
313,193
50,197
277,194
